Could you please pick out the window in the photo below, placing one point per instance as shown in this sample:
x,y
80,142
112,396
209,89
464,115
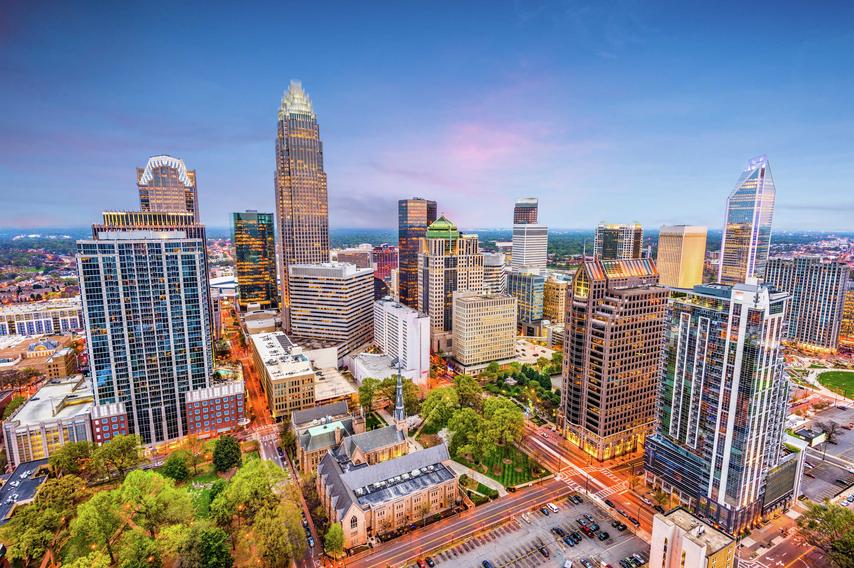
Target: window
x,y
354,522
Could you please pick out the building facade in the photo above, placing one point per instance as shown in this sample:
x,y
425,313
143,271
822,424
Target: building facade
x,y
360,258
253,239
525,211
42,318
530,247
302,205
450,263
333,301
747,227
612,355
384,258
166,185
287,375
108,421
404,333
681,255
618,242
216,409
528,287
722,401
148,325
846,328
817,288
494,273
484,328
554,298
680,539
414,216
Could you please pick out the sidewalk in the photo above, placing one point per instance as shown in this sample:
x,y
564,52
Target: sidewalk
x,y
460,469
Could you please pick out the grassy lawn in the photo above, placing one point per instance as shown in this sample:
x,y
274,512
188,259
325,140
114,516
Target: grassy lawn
x,y
373,421
840,381
507,465
201,494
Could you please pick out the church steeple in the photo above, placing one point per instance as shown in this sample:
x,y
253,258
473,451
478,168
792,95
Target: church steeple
x,y
399,411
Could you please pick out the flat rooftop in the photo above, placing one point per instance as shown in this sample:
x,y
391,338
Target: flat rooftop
x,y
60,399
698,531
43,306
20,488
330,384
281,358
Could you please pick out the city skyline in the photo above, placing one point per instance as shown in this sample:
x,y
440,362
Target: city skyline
x,y
584,102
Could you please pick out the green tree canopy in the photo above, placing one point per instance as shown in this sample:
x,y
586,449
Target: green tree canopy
x,y
439,406
279,534
118,456
469,391
14,404
72,458
177,466
96,522
137,550
226,454
333,542
368,392
154,500
466,425
503,421
830,527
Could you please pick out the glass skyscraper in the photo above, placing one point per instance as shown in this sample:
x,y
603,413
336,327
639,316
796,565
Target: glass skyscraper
x,y
747,229
166,185
252,235
528,287
302,205
722,402
414,216
618,242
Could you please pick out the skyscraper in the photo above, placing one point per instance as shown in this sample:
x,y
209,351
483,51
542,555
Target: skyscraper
x,y
722,401
818,298
253,238
554,298
484,329
846,329
148,334
527,286
612,355
166,185
681,253
384,258
747,228
451,263
414,216
404,333
618,242
530,247
494,274
302,206
525,211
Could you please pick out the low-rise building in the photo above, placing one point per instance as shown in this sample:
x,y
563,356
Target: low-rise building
x,y
680,539
370,500
21,487
287,376
62,363
330,385
319,429
216,409
108,421
41,318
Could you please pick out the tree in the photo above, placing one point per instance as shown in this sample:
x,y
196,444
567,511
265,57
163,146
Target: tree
x,y
424,511
823,524
207,547
842,551
119,455
154,501
503,421
95,559
367,392
195,451
176,467
226,454
831,428
439,406
333,541
279,534
289,440
469,391
97,521
14,404
466,425
72,458
411,394
661,498
138,551
61,494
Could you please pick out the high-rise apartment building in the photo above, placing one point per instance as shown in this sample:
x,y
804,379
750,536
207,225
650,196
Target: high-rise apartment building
x,y
404,333
722,401
333,301
484,329
530,247
450,263
846,329
747,228
527,286
818,298
618,242
681,254
525,211
384,259
612,355
302,206
148,324
166,185
554,298
414,216
253,238
494,273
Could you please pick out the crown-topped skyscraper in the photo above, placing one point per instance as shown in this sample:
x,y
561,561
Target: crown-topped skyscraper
x,y
302,206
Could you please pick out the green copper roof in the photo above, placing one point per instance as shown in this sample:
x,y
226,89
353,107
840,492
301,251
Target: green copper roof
x,y
441,228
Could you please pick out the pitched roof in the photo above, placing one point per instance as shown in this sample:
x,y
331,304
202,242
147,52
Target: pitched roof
x,y
300,417
382,471
373,439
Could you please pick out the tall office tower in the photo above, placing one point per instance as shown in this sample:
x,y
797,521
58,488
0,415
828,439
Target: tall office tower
x,y
384,259
302,206
612,355
404,333
360,258
747,229
527,286
681,254
484,329
166,185
494,274
846,329
618,242
525,211
253,238
722,401
414,216
148,330
451,263
818,298
333,301
530,247
554,298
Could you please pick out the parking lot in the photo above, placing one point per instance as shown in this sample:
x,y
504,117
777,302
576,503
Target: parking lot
x,y
831,474
518,543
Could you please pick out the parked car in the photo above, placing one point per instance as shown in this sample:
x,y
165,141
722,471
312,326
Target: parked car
x,y
634,521
430,562
487,564
544,551
552,507
603,535
526,518
311,541
658,508
609,503
544,511
559,531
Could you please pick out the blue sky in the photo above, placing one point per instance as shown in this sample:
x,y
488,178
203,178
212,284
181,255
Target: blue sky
x,y
607,111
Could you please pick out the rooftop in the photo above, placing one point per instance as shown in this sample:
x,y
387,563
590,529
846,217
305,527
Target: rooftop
x,y
319,413
20,488
328,270
696,530
281,357
331,384
47,305
442,228
224,389
60,399
377,365
372,440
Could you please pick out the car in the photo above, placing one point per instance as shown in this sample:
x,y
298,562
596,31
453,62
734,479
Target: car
x,y
625,563
588,516
430,562
559,531
645,500
603,535
311,542
594,527
544,551
586,563
641,560
621,527
609,503
526,518
280,451
810,475
421,564
658,508
552,507
544,511
634,521
487,564
569,541
839,482
581,521
544,434
576,499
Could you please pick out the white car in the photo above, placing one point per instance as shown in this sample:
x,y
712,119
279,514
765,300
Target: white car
x,y
526,518
544,434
